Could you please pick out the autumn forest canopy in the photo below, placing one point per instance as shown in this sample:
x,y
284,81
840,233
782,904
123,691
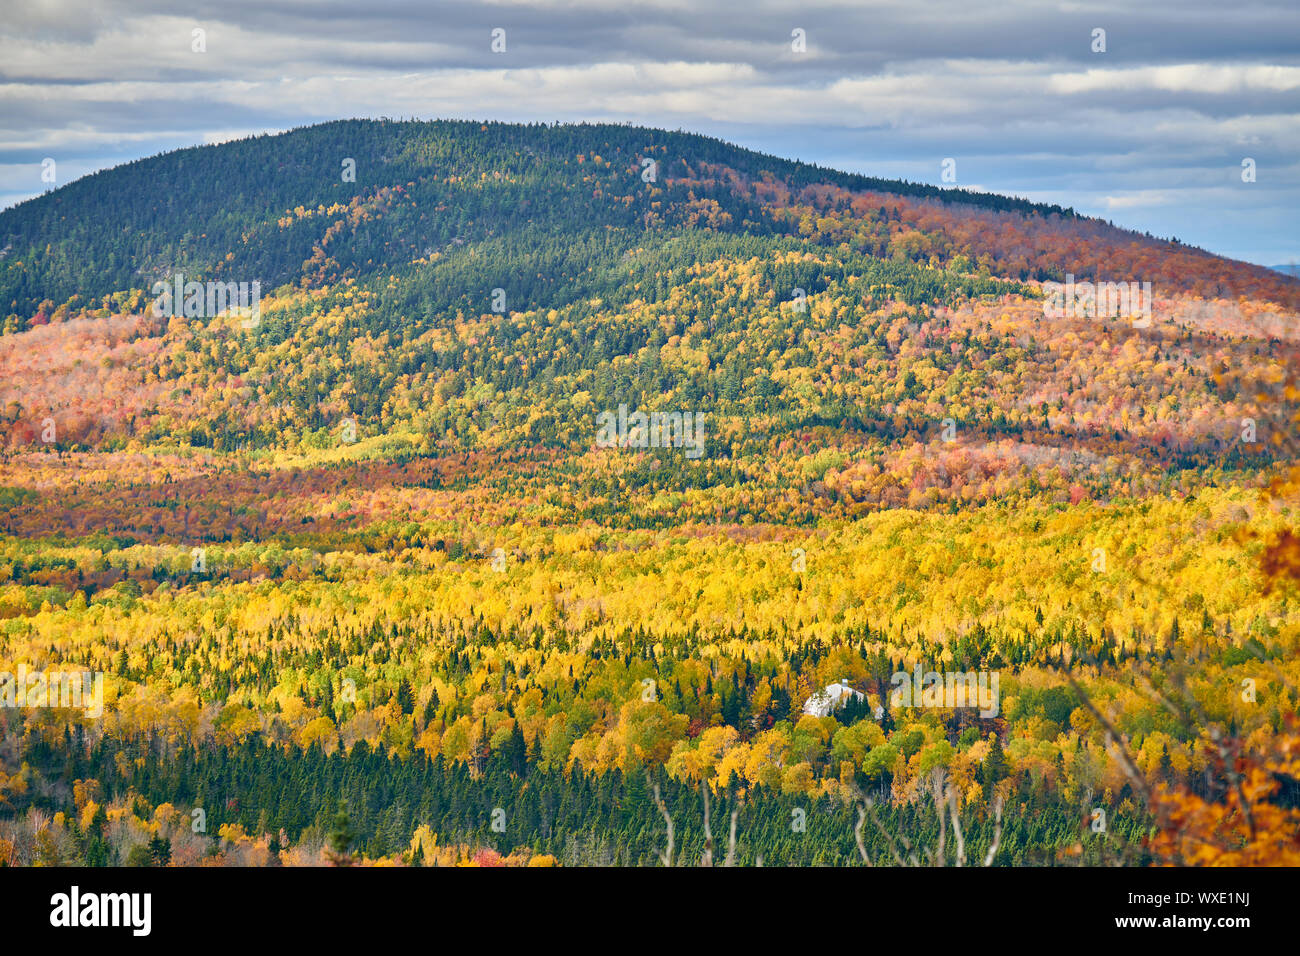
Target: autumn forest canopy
x,y
365,583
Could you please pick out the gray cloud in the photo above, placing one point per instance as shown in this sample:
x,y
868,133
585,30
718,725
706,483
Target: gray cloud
x,y
1150,133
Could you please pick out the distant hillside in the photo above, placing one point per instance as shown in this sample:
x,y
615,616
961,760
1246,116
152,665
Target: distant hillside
x,y
496,289
543,210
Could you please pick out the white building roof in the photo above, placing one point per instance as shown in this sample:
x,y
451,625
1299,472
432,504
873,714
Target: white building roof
x,y
822,703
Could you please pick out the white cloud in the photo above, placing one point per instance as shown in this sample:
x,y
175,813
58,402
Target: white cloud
x,y
1181,78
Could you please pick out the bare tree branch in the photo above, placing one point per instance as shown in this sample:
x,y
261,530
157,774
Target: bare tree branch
x,y
1121,742
889,839
1226,757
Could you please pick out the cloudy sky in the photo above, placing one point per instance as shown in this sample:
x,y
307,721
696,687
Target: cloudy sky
x,y
1151,133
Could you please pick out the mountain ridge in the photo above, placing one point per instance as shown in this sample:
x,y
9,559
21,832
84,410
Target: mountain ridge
x,y
123,228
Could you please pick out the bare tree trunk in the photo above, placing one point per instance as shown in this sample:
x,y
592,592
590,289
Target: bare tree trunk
x,y
997,832
707,859
956,827
731,838
666,857
937,780
857,834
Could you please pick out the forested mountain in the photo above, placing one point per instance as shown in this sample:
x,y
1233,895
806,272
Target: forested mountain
x,y
356,199
213,212
389,568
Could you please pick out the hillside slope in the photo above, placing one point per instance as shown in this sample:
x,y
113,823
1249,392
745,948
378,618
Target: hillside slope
x,y
251,209
399,539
